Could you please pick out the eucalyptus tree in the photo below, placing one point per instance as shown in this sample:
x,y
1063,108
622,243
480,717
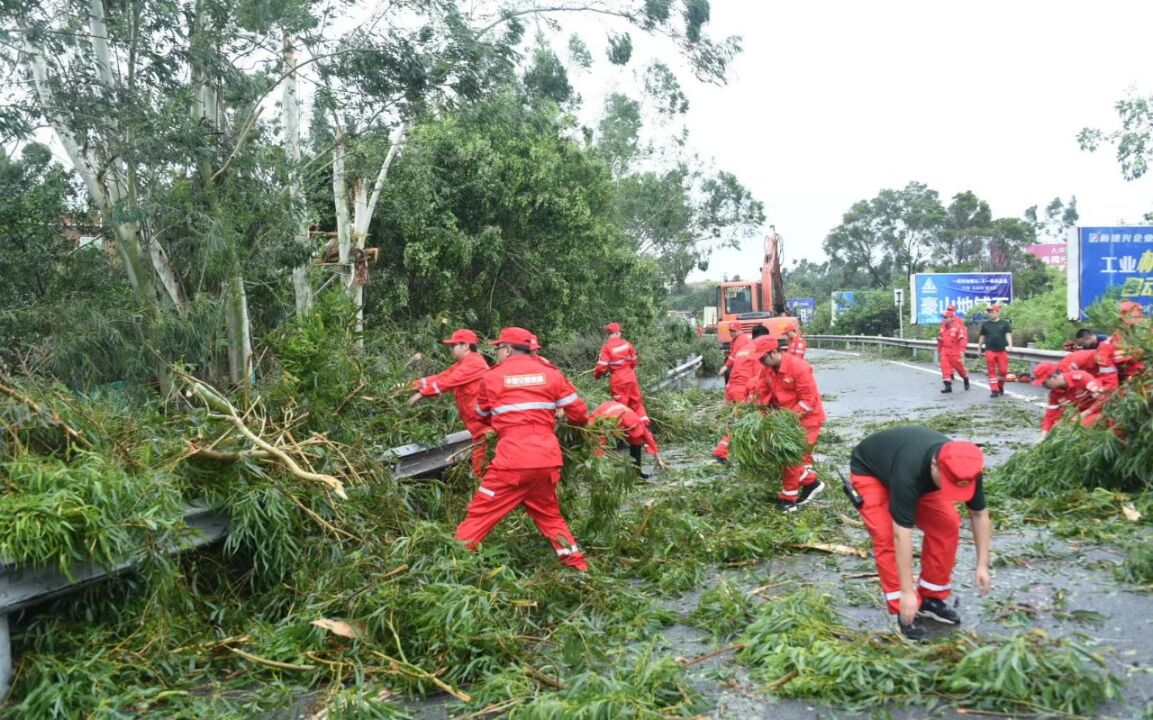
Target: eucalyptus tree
x,y
156,105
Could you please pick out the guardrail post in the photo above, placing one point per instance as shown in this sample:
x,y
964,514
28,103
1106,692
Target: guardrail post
x,y
5,656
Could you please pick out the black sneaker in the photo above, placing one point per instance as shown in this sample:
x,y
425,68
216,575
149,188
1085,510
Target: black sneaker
x,y
787,506
914,631
810,491
936,609
994,394
966,379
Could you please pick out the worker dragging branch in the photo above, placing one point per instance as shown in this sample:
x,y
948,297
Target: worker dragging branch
x,y
636,433
462,379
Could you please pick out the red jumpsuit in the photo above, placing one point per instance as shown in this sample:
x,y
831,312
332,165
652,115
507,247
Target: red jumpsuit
x,y
792,386
518,398
743,364
1125,356
1082,390
463,381
635,430
951,342
618,357
798,345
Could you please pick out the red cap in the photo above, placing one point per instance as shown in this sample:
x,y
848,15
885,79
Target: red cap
x,y
960,464
1042,371
792,326
534,344
461,336
514,336
994,307
951,308
1131,309
613,327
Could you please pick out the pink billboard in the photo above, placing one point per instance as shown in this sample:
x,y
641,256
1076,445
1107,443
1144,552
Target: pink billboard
x,y
1050,254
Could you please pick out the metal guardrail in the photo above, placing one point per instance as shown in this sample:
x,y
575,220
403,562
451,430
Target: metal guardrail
x,y
23,587
416,459
879,341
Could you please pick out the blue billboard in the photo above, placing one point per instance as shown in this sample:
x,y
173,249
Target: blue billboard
x,y
802,309
933,292
1110,259
842,301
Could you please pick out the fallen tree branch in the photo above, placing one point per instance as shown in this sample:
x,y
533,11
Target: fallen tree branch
x,y
272,663
544,679
224,410
783,680
689,662
415,672
831,548
36,408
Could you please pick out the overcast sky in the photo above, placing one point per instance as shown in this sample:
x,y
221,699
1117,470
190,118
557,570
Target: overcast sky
x,y
833,101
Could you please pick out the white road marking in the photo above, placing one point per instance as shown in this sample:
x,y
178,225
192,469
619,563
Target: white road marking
x,y
972,381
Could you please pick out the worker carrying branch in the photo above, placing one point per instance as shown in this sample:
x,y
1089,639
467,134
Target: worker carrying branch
x,y
462,379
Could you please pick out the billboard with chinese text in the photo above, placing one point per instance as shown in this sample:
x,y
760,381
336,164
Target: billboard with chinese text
x,y
1104,260
931,293
1052,254
802,309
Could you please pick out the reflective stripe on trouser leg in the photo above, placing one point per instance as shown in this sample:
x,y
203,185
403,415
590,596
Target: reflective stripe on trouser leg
x,y
991,370
802,474
879,523
498,495
541,503
939,520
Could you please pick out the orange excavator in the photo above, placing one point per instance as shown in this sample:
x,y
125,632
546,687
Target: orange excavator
x,y
748,304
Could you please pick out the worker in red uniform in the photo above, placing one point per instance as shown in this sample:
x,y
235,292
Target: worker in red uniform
x,y
1076,387
1126,355
517,399
743,370
797,343
912,476
618,358
786,381
952,339
1103,363
636,432
740,339
462,379
994,339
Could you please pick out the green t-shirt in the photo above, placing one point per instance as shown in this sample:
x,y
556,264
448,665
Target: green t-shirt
x,y
995,332
900,459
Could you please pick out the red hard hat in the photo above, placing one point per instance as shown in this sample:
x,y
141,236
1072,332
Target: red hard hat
x,y
1042,371
961,464
613,327
514,336
462,335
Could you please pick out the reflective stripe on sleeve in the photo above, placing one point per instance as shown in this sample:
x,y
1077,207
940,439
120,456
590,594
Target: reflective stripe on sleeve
x,y
436,388
567,400
486,491
1107,370
481,412
805,405
896,595
562,552
1052,407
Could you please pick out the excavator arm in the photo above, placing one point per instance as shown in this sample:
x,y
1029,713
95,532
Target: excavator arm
x,y
772,282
